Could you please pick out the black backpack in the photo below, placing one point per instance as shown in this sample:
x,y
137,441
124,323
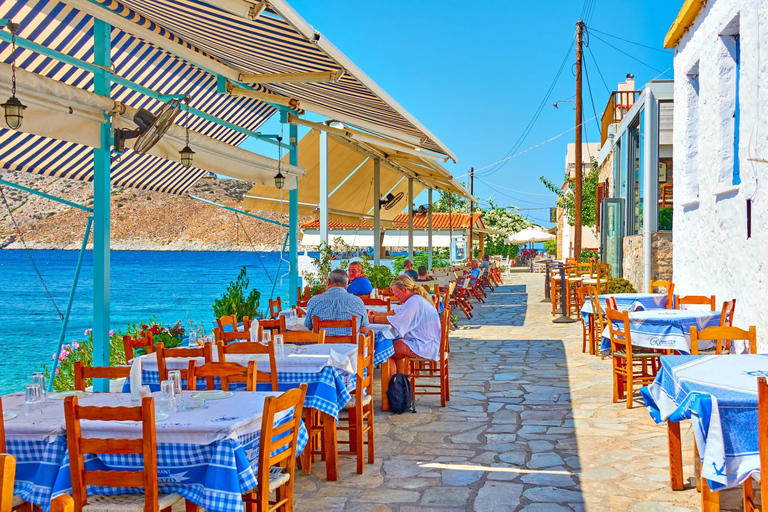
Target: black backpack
x,y
400,394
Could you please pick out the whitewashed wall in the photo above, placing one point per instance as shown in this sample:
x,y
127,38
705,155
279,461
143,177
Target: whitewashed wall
x,y
712,253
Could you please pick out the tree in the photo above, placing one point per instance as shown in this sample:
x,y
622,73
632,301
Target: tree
x,y
502,218
456,202
567,201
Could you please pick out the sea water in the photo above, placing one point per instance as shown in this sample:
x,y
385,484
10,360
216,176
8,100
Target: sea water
x,y
170,285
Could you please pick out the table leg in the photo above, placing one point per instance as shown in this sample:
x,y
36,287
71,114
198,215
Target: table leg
x,y
384,385
710,500
592,336
331,447
675,455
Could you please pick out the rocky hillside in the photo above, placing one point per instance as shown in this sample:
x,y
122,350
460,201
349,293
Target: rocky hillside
x,y
140,220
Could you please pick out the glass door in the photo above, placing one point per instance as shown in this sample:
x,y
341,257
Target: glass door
x,y
612,235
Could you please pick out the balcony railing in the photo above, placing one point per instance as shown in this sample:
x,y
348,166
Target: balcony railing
x,y
618,106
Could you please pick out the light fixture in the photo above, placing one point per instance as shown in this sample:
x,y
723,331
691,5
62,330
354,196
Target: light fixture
x,y
13,108
186,152
279,178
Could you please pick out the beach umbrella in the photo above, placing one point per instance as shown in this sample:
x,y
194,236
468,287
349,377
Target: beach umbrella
x,y
530,234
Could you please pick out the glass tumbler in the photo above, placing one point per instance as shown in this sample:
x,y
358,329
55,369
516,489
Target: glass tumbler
x,y
266,337
279,345
192,339
39,379
167,401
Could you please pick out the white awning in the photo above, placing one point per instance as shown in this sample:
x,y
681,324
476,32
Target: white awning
x,y
355,239
400,239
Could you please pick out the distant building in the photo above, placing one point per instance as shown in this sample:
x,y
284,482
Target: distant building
x,y
634,199
721,150
566,232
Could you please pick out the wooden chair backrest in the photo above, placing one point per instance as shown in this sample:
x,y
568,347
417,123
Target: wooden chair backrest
x,y
379,302
164,353
696,300
79,446
610,303
129,344
305,294
364,384
445,329
300,313
581,295
723,335
302,303
669,288
449,292
2,430
278,445
350,324
83,372
275,306
584,269
231,321
247,347
620,339
597,311
726,314
304,337
227,372
7,481
273,325
230,336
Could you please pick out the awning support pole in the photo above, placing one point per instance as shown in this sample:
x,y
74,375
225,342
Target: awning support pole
x,y
429,230
238,211
410,218
102,45
71,300
277,272
293,210
323,187
376,212
47,196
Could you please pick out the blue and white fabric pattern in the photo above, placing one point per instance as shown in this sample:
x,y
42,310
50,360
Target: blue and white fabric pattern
x,y
37,467
627,302
719,395
667,329
336,304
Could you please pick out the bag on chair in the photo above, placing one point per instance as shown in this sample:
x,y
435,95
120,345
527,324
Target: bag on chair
x,y
400,394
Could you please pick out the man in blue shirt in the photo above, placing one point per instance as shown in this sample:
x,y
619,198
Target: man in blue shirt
x,y
336,304
408,270
358,283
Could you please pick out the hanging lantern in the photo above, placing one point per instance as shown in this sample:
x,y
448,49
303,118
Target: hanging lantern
x,y
186,156
279,180
13,108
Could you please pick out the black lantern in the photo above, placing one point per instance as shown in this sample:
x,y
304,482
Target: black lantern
x,y
279,179
13,108
186,153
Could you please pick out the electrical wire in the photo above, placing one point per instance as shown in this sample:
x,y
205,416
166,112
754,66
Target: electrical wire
x,y
665,52
630,56
594,61
591,98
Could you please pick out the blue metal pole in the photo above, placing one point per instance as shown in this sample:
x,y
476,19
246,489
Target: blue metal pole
x,y
102,44
238,211
71,299
277,272
47,196
293,211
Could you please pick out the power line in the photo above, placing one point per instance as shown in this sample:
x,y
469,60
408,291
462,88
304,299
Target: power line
x,y
508,195
594,61
665,52
589,88
630,56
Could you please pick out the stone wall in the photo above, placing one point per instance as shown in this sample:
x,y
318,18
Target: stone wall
x,y
661,256
632,264
661,259
606,173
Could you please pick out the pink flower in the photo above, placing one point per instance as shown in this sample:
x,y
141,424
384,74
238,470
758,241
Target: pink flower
x,y
75,344
53,356
111,332
57,371
88,331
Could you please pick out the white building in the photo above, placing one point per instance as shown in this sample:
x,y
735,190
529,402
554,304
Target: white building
x,y
566,232
720,153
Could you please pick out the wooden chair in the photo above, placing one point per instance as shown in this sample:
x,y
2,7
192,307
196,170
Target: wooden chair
x,y
146,446
275,307
63,503
277,453
226,373
460,298
304,337
304,295
358,420
581,296
350,324
272,325
762,437
231,322
130,344
8,468
420,368
230,336
300,311
164,353
723,336
669,288
378,302
597,322
691,300
630,368
248,347
726,314
83,372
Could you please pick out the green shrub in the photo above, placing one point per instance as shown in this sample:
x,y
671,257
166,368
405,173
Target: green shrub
x,y
550,246
235,302
620,285
588,253
420,259
665,218
380,277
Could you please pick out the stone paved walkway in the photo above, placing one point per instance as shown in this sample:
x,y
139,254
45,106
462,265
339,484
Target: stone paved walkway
x,y
531,426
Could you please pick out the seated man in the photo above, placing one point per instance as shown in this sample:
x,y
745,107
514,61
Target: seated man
x,y
336,304
485,263
474,271
408,270
423,274
358,283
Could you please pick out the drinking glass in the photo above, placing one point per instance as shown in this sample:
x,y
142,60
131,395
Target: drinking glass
x,y
175,377
279,345
167,402
145,392
32,394
266,337
39,379
192,339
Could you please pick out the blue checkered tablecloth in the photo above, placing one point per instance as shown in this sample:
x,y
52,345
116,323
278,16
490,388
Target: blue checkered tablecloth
x,y
627,302
719,395
37,467
667,329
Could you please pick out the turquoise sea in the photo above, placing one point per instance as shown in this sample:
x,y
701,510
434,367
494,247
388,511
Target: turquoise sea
x,y
171,285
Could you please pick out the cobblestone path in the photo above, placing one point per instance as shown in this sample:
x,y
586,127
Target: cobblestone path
x,y
530,426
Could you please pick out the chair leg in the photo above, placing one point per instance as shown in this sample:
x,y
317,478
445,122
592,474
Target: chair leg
x,y
309,423
629,385
615,384
371,441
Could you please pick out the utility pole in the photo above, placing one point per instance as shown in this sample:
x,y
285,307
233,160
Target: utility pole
x,y
471,209
578,163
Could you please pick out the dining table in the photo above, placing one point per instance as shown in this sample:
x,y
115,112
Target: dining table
x,y
718,393
626,302
208,455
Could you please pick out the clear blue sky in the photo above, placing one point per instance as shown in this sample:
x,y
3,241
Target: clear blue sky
x,y
475,74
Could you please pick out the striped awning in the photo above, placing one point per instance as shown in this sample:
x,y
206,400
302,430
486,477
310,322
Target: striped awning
x,y
61,27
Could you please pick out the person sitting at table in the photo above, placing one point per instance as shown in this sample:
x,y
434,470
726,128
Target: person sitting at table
x,y
423,274
416,321
485,263
336,304
474,271
358,283
408,270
